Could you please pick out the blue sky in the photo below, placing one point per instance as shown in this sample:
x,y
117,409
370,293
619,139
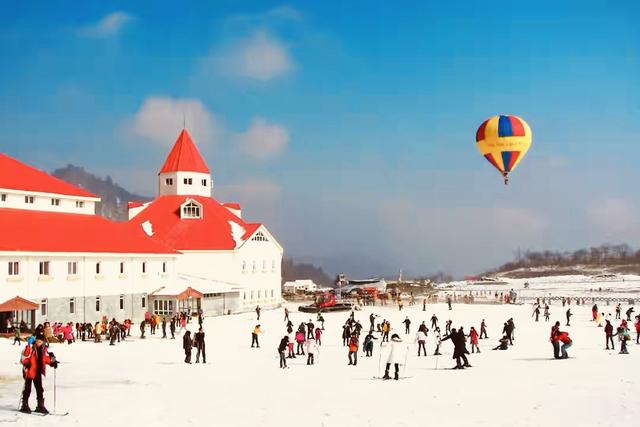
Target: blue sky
x,y
347,127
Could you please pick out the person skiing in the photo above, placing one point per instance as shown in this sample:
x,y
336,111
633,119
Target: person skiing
x,y
424,304
368,344
608,332
434,321
449,301
34,359
406,322
312,349
437,339
200,346
563,337
321,320
483,330
421,339
459,348
554,341
504,343
506,329
473,337
300,340
568,314
628,313
254,336
187,344
372,318
447,326
397,356
353,349
284,343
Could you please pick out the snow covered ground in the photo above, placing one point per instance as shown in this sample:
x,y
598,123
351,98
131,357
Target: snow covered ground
x,y
145,382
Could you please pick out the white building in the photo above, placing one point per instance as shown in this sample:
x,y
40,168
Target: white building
x,y
302,285
78,266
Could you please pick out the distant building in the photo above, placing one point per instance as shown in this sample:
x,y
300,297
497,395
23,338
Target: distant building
x,y
182,251
299,286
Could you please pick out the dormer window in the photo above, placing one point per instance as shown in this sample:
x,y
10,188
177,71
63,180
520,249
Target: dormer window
x,y
259,237
168,181
191,210
3,197
55,202
28,199
79,204
204,182
188,181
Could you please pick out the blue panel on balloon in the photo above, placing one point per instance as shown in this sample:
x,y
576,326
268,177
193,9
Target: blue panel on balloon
x,y
504,126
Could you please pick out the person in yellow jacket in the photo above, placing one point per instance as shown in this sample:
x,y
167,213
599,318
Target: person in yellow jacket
x,y
254,336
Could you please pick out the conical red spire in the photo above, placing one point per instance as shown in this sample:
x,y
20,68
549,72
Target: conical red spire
x,y
184,156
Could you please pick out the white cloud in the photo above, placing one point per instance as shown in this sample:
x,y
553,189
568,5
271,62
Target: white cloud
x,y
260,57
160,119
110,25
263,140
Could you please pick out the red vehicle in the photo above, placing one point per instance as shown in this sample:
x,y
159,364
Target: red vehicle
x,y
325,301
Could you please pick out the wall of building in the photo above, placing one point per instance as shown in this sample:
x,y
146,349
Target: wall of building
x,y
201,184
15,199
58,287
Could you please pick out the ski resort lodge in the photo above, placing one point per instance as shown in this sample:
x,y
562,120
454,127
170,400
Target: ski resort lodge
x,y
180,252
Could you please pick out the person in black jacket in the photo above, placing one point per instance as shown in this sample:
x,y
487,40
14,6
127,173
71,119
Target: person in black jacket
x,y
172,327
284,343
407,323
200,347
310,328
164,327
459,348
608,331
186,345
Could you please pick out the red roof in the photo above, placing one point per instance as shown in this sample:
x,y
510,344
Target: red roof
x,y
184,156
16,175
17,304
235,206
37,231
210,232
133,205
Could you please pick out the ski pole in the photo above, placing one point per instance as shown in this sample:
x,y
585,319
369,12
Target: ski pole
x,y
54,389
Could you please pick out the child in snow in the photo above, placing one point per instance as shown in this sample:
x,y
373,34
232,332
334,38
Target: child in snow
x,y
319,336
473,337
290,343
312,349
353,349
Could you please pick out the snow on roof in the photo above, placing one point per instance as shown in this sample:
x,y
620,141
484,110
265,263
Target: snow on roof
x,y
133,205
208,286
15,175
38,231
147,227
235,206
184,156
214,230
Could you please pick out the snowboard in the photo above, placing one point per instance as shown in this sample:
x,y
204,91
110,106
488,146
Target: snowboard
x,y
59,414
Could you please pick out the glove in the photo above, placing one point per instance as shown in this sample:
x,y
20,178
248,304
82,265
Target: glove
x,y
54,364
53,356
27,365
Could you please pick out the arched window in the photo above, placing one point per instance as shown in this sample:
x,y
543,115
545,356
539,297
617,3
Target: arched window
x,y
259,237
191,210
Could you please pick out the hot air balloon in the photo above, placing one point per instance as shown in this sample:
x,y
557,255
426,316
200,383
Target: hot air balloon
x,y
503,141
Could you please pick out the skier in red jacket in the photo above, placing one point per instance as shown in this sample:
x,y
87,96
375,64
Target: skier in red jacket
x,y
34,359
563,337
473,337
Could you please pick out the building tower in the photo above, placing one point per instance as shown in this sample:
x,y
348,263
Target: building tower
x,y
185,172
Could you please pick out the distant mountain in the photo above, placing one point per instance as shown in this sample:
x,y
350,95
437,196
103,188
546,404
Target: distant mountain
x,y
114,198
292,271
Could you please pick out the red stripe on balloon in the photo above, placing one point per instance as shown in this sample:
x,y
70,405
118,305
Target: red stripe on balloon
x,y
480,131
491,160
514,157
517,128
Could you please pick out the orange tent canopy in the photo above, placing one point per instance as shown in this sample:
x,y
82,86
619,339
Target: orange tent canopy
x,y
189,293
18,304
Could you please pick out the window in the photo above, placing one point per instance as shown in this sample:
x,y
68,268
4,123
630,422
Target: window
x,y
191,210
144,301
204,182
55,202
3,197
188,181
121,267
72,268
79,204
14,268
43,307
273,264
264,264
44,268
254,266
244,295
271,293
244,266
259,294
251,294
121,302
28,199
72,305
144,267
97,268
97,303
259,237
164,266
168,181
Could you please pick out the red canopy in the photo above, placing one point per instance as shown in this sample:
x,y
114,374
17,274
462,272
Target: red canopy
x,y
18,304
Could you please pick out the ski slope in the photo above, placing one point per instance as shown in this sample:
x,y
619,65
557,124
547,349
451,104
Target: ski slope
x,y
145,382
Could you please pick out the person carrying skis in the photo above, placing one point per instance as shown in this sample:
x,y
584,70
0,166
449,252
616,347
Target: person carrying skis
x,y
34,359
312,349
608,332
473,337
396,357
483,330
353,349
407,323
284,343
187,344
254,336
